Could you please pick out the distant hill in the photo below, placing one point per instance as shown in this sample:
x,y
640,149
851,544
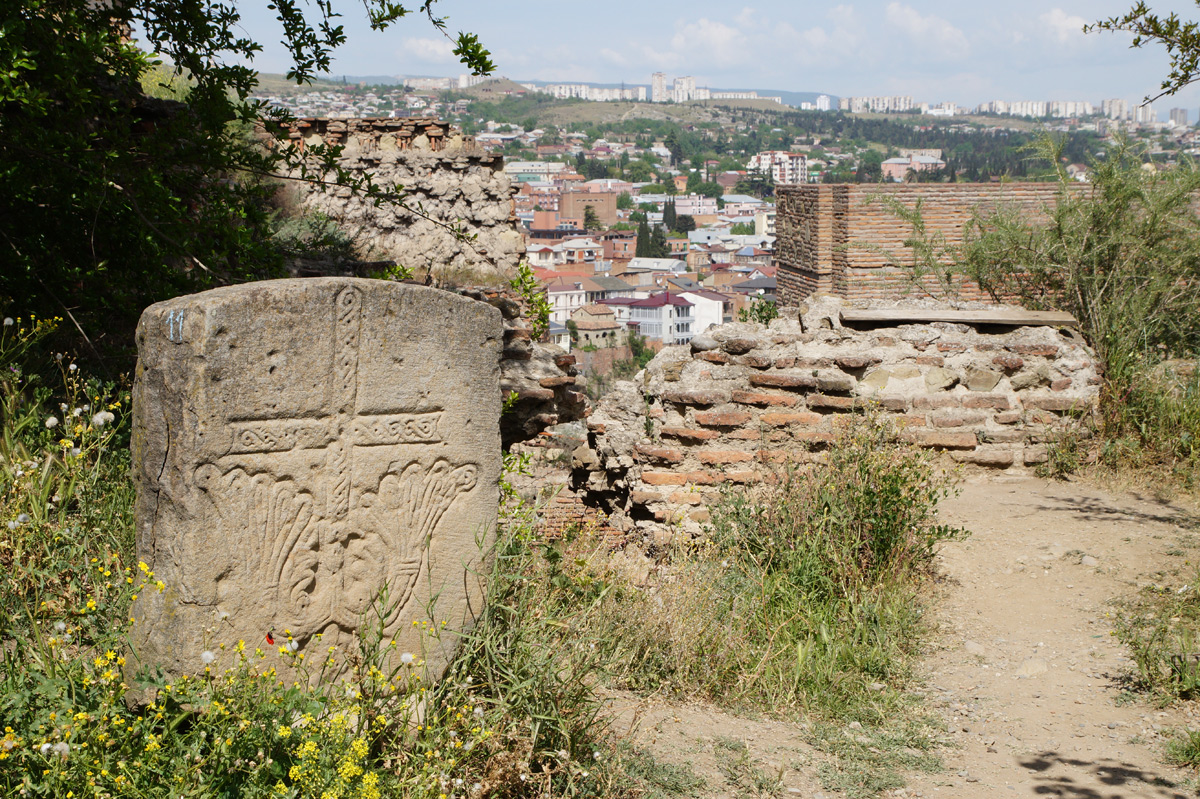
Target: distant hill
x,y
495,88
272,83
788,97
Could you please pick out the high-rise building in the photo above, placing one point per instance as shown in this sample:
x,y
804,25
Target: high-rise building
x,y
1144,114
823,102
1179,117
1115,108
684,89
658,88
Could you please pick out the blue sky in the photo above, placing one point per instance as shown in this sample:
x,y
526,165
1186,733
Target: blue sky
x,y
935,50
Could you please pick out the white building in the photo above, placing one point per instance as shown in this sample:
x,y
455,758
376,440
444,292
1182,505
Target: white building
x,y
764,222
783,167
695,205
596,94
877,105
566,297
684,89
663,317
1115,108
824,102
658,88
708,308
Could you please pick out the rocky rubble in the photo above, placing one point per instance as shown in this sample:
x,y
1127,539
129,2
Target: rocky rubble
x,y
744,400
449,183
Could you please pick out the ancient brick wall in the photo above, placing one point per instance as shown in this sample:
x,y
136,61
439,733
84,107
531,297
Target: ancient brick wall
x,y
743,401
843,239
448,182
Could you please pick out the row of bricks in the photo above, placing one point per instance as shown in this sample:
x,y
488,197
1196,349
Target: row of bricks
x,y
998,402
944,433
981,455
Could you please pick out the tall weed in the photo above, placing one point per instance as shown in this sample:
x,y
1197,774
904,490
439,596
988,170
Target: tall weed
x,y
515,716
803,598
1121,253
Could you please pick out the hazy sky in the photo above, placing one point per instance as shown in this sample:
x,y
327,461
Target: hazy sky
x,y
934,50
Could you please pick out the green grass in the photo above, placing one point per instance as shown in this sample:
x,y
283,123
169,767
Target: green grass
x,y
516,715
804,601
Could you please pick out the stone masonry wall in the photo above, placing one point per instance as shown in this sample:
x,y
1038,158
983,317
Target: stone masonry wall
x,y
839,238
544,379
448,182
744,400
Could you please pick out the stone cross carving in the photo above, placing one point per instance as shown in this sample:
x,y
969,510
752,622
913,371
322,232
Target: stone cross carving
x,y
381,426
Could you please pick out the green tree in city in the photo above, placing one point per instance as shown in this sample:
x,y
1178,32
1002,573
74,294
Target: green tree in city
x,y
624,201
590,220
669,216
642,248
111,199
658,243
870,167
685,223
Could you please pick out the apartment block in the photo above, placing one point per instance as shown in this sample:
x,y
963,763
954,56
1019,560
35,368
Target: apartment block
x,y
783,167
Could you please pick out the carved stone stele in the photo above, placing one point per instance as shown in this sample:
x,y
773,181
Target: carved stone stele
x,y
297,446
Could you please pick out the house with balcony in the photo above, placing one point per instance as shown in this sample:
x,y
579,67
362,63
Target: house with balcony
x,y
665,317
566,295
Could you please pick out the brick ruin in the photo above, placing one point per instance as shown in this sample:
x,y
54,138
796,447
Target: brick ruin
x,y
743,401
843,240
449,182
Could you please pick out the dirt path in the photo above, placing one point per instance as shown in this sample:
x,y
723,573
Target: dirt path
x,y
1024,672
1027,674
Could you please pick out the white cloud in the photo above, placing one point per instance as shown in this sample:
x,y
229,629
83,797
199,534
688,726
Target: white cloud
x,y
721,43
436,51
930,32
1063,26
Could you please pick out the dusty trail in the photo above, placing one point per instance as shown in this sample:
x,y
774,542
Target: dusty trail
x,y
1024,670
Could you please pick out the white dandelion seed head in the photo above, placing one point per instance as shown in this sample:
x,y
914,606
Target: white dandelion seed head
x,y
45,748
60,626
478,712
72,367
407,658
62,748
76,452
208,656
8,321
58,356
51,422
12,524
22,518
293,645
102,418
77,412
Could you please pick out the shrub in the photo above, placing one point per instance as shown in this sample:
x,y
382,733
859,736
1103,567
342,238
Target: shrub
x,y
802,598
515,716
1121,253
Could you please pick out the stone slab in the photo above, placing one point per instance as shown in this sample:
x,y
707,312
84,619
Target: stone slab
x,y
297,446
